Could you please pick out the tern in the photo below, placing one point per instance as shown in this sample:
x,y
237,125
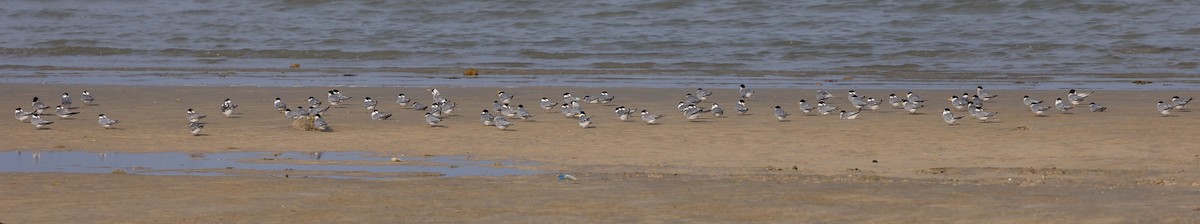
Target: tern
x,y
369,103
63,112
1062,106
504,97
949,117
1180,103
703,94
192,116
823,95
227,107
745,93
195,128
1163,108
849,115
622,113
402,100
716,110
911,106
319,123
87,98
280,105
486,117
1096,107
650,118
979,91
501,122
584,120
66,100
376,115
1077,97
741,107
22,115
546,104
780,114
38,122
805,107
106,122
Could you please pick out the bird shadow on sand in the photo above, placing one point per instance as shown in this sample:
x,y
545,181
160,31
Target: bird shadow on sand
x,y
200,135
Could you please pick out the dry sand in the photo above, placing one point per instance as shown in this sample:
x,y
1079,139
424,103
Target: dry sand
x,y
1126,165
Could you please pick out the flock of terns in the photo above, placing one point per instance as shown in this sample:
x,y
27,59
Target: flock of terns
x,y
572,107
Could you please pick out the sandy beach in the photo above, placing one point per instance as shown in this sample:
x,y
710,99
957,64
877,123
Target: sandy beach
x,y
1128,164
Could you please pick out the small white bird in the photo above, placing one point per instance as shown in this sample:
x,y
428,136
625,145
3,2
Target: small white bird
x,y
22,115
691,99
650,118
716,110
1180,103
584,120
402,100
949,117
914,97
376,115
313,102
319,123
507,110
849,115
314,111
369,103
825,109
522,113
418,106
703,94
983,116
66,100
744,92
227,107
280,105
106,122
823,95
547,105
895,101
1163,108
911,106
1096,107
486,117
192,116
38,122
741,107
501,122
805,107
1038,109
692,112
195,128
958,103
1028,101
87,98
288,113
38,106
979,91
780,114
1077,97
505,97
622,113
567,98
63,112
1062,106
432,120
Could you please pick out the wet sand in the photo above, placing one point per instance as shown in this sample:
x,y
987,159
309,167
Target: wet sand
x,y
886,166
